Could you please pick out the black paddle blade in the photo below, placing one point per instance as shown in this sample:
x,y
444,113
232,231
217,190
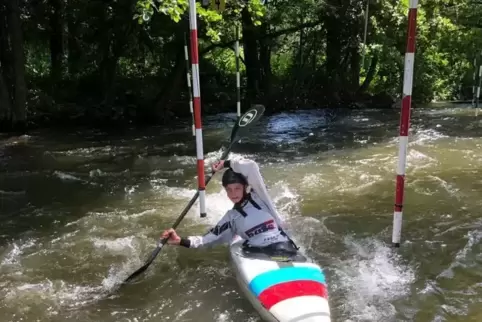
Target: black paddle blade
x,y
138,272
244,122
146,265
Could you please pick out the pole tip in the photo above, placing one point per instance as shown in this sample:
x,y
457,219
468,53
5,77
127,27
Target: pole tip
x,y
396,245
203,215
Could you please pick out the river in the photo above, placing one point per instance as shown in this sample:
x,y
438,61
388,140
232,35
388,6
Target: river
x,y
82,209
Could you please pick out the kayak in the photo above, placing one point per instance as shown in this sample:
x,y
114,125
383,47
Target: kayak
x,y
281,288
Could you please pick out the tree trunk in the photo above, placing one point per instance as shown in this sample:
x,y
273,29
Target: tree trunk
x,y
56,40
20,97
116,42
265,57
265,60
301,44
354,69
6,50
370,75
251,55
5,67
173,85
74,50
333,52
5,104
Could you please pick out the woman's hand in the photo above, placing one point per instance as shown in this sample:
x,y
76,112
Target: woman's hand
x,y
219,165
173,237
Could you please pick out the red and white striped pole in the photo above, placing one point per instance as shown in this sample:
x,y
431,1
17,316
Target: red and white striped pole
x,y
238,78
189,88
197,107
477,94
405,122
474,78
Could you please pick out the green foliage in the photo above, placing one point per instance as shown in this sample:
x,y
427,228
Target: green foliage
x,y
282,64
172,8
224,60
257,11
130,52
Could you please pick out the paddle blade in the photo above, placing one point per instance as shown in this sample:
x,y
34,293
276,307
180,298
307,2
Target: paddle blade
x,y
146,265
137,273
245,121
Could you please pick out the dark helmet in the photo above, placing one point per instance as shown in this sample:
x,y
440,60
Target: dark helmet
x,y
230,176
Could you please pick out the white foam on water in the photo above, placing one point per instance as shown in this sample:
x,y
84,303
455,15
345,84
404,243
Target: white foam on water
x,y
370,278
115,246
53,293
175,145
218,203
419,137
341,178
314,181
209,158
101,150
15,251
99,173
129,246
426,136
11,193
177,172
66,176
449,188
464,257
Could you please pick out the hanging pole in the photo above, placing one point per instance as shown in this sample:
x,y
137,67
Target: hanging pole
x,y
405,122
477,97
474,84
188,76
365,34
238,78
197,107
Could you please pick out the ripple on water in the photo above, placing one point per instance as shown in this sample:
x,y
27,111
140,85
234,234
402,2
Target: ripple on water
x,y
336,175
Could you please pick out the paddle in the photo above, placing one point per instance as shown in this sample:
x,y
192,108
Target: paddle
x,y
240,129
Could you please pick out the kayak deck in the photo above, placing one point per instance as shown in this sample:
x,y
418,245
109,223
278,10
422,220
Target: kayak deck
x,y
286,288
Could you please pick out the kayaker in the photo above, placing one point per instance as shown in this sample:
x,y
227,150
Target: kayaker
x,y
253,217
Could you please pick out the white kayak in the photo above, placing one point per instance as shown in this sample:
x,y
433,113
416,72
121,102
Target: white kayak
x,y
281,289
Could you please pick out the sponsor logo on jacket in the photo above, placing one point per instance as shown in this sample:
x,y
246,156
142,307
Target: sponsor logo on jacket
x,y
261,228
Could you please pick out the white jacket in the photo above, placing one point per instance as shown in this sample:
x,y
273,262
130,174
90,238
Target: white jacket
x,y
260,227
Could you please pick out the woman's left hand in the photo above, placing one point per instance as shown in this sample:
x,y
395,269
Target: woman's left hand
x,y
218,165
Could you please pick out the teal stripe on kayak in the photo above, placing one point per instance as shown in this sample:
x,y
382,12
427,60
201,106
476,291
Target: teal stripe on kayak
x,y
285,274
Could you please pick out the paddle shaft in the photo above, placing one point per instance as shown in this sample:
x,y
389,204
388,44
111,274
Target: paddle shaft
x,y
242,125
196,195
162,242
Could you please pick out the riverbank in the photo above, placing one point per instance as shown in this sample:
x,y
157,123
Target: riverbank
x,y
82,104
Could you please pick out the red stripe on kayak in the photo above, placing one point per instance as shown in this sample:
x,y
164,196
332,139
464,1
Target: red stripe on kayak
x,y
287,290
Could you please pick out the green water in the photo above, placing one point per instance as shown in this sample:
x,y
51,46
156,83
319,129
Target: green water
x,y
80,211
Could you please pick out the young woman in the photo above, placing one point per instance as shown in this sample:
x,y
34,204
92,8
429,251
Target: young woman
x,y
253,217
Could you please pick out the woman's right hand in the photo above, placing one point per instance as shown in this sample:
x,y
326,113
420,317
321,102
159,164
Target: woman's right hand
x,y
173,237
